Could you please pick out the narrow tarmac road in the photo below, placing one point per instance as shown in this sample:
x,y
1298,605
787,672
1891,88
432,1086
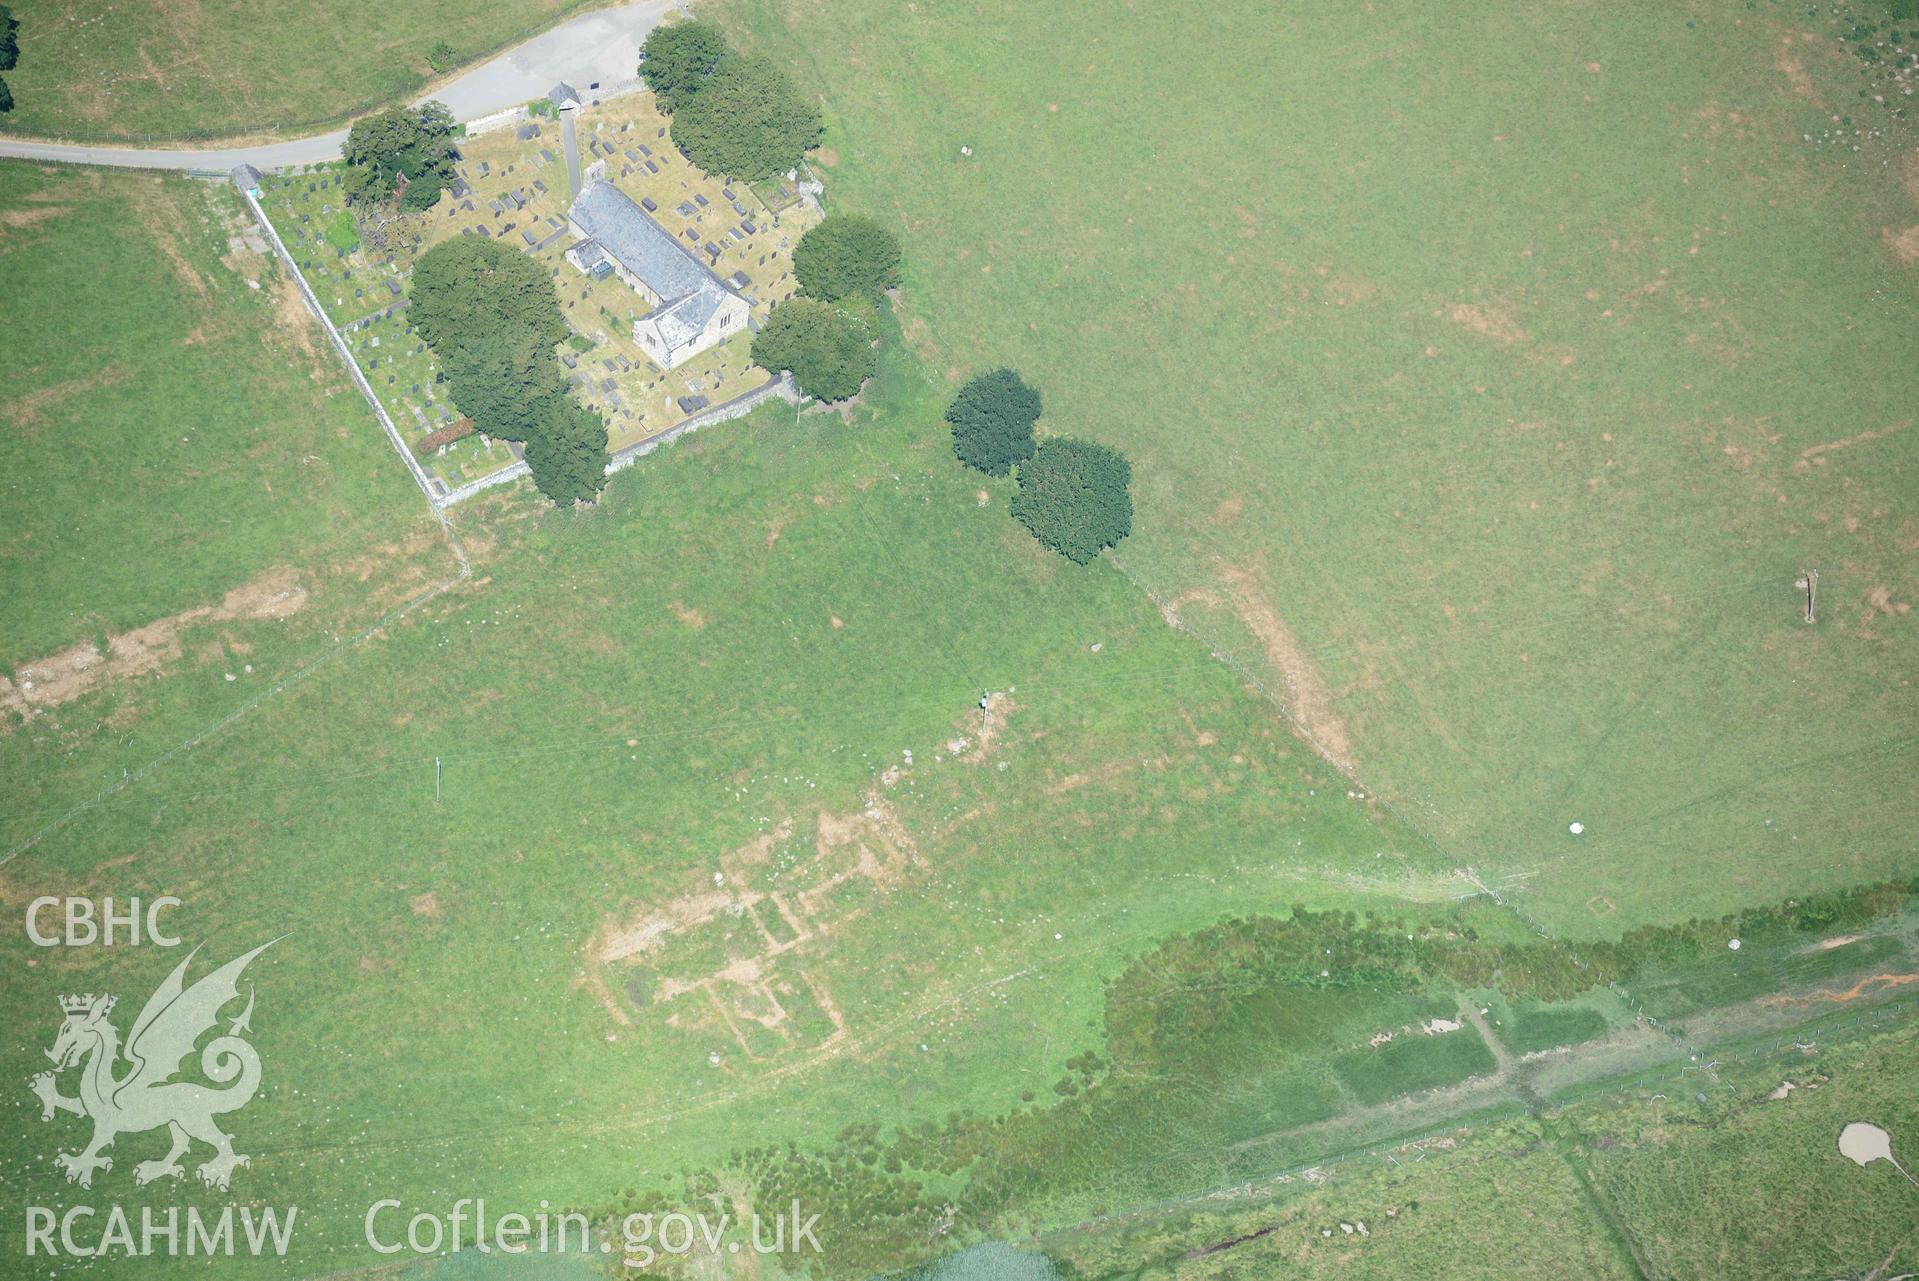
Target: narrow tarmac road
x,y
599,47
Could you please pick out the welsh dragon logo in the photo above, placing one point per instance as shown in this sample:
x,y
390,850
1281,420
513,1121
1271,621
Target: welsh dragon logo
x,y
145,1096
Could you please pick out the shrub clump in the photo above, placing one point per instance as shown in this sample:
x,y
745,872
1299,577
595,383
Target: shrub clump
x,y
414,143
422,192
847,257
9,52
992,419
748,120
828,350
730,114
1073,497
492,319
679,57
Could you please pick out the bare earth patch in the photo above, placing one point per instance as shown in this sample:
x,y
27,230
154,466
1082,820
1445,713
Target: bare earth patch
x,y
63,677
1307,695
1877,983
1795,71
1880,604
163,216
988,728
26,410
1100,774
759,982
28,217
1815,455
296,320
1490,321
1904,244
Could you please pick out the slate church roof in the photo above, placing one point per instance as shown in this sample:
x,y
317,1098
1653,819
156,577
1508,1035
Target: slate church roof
x,y
644,248
681,322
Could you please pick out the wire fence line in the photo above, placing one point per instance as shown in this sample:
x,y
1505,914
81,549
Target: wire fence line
x,y
130,778
346,353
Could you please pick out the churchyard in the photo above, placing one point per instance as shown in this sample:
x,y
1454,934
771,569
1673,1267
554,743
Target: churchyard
x,y
513,187
363,292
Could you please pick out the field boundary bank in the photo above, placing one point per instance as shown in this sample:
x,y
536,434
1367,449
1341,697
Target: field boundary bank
x,y
1464,871
293,678
465,572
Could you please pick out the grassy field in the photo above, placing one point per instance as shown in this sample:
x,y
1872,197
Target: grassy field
x,y
158,452
1490,373
149,70
672,854
756,665
718,671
